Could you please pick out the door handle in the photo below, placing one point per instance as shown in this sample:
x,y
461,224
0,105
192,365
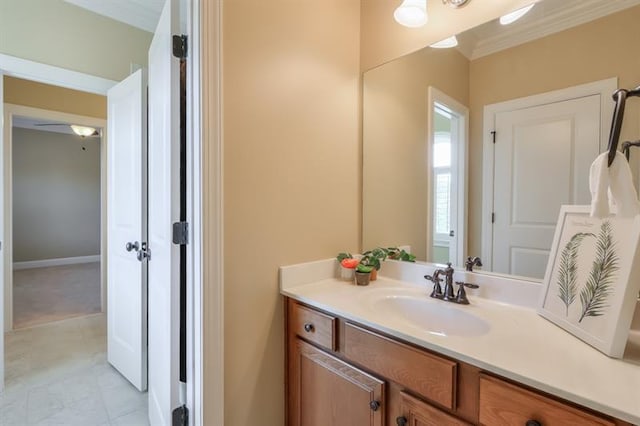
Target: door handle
x,y
135,246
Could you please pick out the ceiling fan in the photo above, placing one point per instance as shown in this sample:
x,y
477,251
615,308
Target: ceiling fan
x,y
82,131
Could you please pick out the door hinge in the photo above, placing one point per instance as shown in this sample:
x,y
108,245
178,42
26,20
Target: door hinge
x,y
493,135
180,46
180,416
181,233
493,218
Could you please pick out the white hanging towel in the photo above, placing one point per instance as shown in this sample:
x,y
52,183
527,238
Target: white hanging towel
x,y
612,186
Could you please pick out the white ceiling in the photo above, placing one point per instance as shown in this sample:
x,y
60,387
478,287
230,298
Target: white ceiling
x,y
42,125
143,14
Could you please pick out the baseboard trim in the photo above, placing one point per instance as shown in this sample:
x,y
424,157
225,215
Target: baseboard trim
x,y
55,262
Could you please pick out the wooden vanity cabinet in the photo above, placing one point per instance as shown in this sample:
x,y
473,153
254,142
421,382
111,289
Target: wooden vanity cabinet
x,y
341,373
418,413
325,391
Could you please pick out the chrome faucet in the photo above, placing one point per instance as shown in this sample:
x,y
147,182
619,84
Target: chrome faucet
x,y
448,283
471,262
447,295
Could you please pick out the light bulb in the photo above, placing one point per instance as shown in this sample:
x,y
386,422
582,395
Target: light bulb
x,y
411,13
512,17
82,130
446,43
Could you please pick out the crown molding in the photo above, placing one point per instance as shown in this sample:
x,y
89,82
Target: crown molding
x,y
580,13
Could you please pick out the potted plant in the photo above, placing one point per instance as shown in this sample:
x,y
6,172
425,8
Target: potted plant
x,y
363,273
374,258
347,265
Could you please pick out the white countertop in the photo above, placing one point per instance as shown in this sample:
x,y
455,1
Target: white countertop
x,y
519,344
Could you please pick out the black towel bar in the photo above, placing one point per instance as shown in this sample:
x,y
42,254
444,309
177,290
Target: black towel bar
x,y
620,97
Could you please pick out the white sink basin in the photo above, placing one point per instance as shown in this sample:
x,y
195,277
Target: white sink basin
x,y
430,315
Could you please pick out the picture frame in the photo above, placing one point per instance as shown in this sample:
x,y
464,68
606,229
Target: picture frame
x,y
592,279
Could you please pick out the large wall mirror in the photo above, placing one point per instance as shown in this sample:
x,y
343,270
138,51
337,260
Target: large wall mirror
x,y
471,150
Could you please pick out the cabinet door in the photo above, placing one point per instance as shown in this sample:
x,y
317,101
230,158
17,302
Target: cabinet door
x,y
419,413
326,391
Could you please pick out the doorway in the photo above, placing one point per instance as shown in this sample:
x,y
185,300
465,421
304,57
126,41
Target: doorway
x,y
56,212
448,121
54,248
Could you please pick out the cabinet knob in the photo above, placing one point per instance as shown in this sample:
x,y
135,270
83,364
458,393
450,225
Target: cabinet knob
x,y
401,421
374,405
533,423
308,327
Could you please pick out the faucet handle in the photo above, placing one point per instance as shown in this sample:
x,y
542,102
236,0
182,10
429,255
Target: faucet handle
x,y
467,285
436,280
461,295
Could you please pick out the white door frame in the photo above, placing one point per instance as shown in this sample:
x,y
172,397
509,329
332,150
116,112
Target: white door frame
x,y
205,193
204,188
604,88
10,111
435,95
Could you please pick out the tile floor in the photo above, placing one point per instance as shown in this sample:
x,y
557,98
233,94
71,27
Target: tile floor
x,y
57,374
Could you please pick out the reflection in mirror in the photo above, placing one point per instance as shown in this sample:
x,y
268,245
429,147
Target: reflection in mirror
x,y
543,84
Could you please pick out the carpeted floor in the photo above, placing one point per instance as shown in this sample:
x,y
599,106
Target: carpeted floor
x,y
42,295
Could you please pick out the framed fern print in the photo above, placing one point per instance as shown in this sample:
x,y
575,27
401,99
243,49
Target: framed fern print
x,y
592,279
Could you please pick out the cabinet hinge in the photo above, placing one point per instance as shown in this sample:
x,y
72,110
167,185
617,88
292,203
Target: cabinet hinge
x,y
493,135
180,233
180,46
180,416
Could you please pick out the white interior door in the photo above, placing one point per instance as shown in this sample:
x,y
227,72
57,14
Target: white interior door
x,y
164,210
126,229
542,159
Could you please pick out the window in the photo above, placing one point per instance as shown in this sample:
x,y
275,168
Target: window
x,y
442,153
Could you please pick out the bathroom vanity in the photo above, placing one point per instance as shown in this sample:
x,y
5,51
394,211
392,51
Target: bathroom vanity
x,y
387,354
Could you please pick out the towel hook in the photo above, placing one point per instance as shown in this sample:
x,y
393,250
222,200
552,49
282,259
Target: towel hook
x,y
620,97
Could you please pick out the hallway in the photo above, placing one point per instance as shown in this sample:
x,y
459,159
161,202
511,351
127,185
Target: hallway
x,y
57,374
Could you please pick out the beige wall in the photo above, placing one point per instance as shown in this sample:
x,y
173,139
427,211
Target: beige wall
x,y
598,50
56,195
53,98
384,40
57,33
291,175
395,148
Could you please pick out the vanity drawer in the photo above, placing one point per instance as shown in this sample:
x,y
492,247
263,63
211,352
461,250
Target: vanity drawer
x,y
425,374
502,403
313,326
419,413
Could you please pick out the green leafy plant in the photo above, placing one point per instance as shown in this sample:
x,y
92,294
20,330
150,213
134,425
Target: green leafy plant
x,y
567,271
599,284
374,257
394,253
365,269
342,256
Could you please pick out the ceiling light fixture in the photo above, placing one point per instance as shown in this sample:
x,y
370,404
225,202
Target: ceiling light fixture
x,y
411,13
447,43
82,130
512,17
455,3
